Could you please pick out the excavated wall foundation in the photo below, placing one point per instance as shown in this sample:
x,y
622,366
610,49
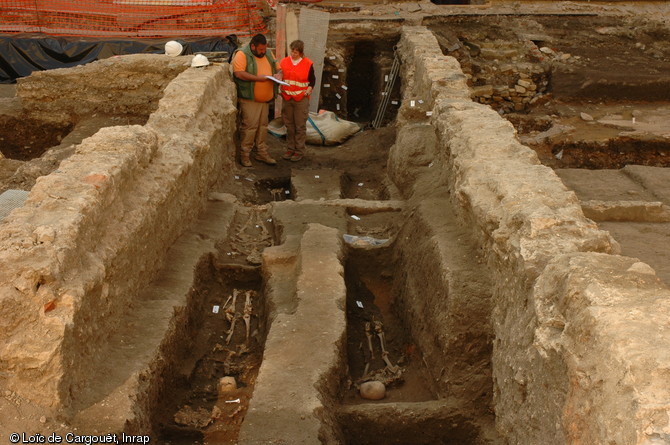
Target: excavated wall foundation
x,y
571,319
96,230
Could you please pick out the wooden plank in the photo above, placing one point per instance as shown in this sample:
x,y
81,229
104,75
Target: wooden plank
x,y
280,44
291,28
314,32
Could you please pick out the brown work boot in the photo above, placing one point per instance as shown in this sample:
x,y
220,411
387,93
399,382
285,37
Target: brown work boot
x,y
245,161
264,157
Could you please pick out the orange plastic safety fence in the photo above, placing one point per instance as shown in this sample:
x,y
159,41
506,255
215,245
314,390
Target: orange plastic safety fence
x,y
133,18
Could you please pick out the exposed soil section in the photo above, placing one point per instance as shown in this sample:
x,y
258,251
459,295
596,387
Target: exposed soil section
x,y
24,138
579,81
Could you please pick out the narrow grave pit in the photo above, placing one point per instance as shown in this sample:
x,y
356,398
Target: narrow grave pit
x,y
364,186
216,375
379,348
227,325
378,225
272,190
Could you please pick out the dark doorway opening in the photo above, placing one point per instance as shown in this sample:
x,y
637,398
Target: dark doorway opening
x,y
362,86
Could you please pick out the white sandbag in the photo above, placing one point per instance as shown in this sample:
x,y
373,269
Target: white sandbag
x,y
323,128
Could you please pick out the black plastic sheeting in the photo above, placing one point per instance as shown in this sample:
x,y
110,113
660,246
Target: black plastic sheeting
x,y
21,54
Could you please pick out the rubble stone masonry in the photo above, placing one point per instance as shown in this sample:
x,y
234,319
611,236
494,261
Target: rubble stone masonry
x,y
581,334
95,230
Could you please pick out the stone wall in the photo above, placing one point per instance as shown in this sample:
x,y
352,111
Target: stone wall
x,y
296,387
577,354
96,230
128,85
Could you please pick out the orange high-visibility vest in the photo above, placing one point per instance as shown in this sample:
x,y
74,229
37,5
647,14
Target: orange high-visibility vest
x,y
297,76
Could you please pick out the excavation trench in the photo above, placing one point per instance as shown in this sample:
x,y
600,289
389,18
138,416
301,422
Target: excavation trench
x,y
401,256
24,138
410,412
199,406
609,154
276,246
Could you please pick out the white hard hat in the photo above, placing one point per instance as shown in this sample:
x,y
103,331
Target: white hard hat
x,y
199,60
173,48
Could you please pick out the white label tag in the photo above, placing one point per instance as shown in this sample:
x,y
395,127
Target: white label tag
x,y
317,176
341,70
359,304
386,78
429,113
338,95
338,107
411,103
326,85
394,102
215,309
332,57
335,76
357,218
344,87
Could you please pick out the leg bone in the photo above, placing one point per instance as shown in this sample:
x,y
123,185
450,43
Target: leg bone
x,y
379,329
232,328
247,313
368,334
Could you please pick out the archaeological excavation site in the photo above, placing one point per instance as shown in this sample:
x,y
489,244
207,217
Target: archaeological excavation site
x,y
483,258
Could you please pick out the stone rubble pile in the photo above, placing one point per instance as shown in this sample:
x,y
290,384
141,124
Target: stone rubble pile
x,y
507,76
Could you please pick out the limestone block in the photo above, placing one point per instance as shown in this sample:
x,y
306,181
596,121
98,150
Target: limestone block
x,y
415,147
637,211
655,179
315,331
483,90
598,315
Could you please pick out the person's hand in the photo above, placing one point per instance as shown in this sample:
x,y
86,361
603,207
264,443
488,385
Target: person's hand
x,y
279,76
309,91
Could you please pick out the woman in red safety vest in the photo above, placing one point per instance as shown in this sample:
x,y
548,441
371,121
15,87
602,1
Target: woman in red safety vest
x,y
298,72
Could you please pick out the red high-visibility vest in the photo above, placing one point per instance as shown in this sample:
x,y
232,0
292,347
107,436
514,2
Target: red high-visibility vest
x,y
297,76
